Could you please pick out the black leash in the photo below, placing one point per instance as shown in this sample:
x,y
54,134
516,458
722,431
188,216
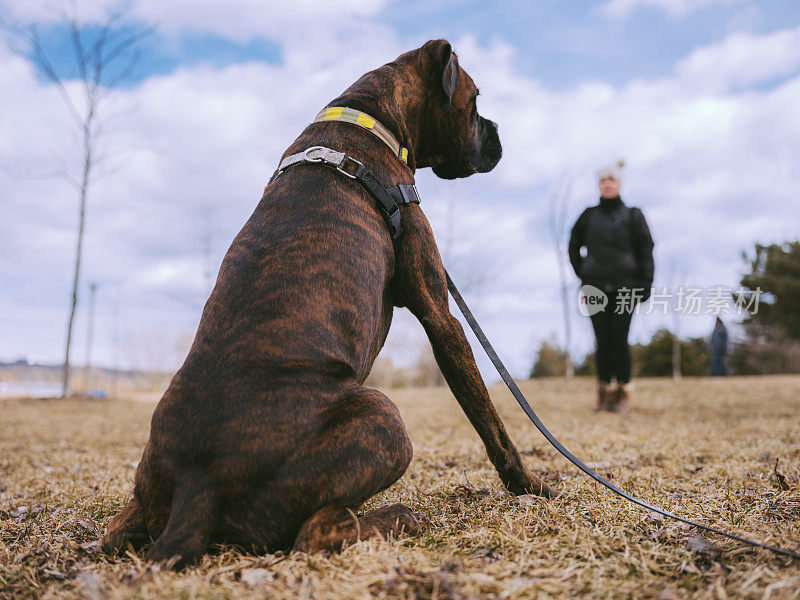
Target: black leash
x,y
558,446
389,201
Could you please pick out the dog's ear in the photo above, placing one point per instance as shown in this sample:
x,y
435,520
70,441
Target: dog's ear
x,y
445,62
451,76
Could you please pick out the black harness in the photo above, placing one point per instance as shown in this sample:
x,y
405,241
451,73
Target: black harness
x,y
388,199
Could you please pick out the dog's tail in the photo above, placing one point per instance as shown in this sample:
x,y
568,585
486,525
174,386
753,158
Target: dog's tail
x,y
192,520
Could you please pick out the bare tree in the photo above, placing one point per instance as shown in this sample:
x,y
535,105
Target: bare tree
x,y
559,211
103,57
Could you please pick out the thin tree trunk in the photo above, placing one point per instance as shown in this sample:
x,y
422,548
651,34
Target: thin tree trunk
x,y
676,347
676,358
87,165
559,205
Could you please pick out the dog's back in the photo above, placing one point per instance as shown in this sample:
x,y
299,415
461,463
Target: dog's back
x,y
299,312
285,298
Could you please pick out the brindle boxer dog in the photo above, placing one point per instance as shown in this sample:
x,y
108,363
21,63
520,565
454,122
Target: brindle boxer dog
x,y
266,437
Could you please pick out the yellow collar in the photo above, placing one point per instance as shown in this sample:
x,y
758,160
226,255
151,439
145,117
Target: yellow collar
x,y
356,117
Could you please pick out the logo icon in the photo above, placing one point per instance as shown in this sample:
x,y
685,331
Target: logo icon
x,y
591,300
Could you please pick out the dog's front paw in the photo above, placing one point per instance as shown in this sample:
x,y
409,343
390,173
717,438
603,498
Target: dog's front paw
x,y
526,483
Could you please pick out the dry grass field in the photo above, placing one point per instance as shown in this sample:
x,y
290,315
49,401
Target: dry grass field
x,y
701,448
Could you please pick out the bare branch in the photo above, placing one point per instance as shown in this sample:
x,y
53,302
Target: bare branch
x,y
31,175
100,174
130,40
126,71
80,56
36,54
96,53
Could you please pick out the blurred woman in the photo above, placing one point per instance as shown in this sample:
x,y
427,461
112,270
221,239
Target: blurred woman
x,y
618,261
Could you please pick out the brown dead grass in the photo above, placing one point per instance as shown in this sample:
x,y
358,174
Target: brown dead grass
x,y
701,448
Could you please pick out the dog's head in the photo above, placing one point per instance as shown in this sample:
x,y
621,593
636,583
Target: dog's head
x,y
457,140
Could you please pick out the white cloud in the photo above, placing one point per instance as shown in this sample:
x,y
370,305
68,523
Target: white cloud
x,y
714,168
45,12
243,20
742,59
202,144
675,8
239,20
671,131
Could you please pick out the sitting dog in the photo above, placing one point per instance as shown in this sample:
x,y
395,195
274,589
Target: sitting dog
x,y
266,437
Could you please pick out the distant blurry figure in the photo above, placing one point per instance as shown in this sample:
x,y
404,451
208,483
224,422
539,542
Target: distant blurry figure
x,y
619,255
719,348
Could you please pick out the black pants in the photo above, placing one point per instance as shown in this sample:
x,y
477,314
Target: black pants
x,y
613,357
718,368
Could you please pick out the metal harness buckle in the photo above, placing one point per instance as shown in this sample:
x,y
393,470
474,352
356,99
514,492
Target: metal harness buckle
x,y
346,165
321,154
349,160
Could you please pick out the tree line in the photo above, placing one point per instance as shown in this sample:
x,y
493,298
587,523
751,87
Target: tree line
x,y
770,339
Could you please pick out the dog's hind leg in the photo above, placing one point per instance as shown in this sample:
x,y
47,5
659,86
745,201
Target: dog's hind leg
x,y
331,527
127,527
193,517
361,449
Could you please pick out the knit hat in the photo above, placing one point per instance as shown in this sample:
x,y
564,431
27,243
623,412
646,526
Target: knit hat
x,y
613,171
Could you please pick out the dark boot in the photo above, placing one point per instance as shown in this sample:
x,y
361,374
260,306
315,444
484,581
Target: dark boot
x,y
604,393
619,398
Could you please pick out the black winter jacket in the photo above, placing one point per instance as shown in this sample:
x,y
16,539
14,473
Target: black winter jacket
x,y
619,248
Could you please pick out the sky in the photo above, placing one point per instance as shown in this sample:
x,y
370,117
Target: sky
x,y
699,97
